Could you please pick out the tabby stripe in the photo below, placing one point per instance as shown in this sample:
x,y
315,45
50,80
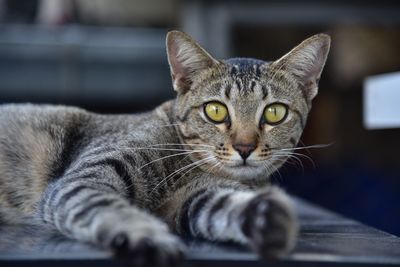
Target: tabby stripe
x,y
187,112
129,159
258,71
191,137
89,197
14,199
183,227
60,215
218,205
85,169
121,170
67,195
196,209
93,215
185,115
252,85
239,87
265,91
72,143
85,210
68,181
233,70
228,89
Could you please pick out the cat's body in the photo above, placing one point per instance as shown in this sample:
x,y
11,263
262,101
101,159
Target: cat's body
x,y
40,144
194,162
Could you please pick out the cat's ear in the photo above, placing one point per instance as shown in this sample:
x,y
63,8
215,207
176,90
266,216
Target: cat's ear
x,y
186,58
306,61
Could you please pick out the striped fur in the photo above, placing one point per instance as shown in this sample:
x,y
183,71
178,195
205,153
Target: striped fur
x,y
125,182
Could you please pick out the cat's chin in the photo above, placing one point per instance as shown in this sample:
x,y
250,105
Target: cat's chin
x,y
245,172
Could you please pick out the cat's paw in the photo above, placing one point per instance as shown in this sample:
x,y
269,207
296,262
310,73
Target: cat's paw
x,y
269,223
148,251
142,243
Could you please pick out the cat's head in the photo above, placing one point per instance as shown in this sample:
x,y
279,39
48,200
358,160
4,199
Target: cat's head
x,y
243,115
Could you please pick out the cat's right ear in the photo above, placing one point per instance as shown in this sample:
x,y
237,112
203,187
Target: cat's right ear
x,y
186,58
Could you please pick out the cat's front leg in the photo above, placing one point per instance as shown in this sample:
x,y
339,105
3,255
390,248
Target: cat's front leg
x,y
263,220
93,209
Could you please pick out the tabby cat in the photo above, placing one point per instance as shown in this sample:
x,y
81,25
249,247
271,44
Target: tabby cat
x,y
197,165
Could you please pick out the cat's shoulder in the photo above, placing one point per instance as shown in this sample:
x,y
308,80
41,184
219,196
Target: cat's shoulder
x,y
39,108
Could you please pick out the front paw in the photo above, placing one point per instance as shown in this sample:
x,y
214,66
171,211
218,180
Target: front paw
x,y
269,223
147,251
142,243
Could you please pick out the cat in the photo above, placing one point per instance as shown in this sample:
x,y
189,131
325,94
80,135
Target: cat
x,y
197,165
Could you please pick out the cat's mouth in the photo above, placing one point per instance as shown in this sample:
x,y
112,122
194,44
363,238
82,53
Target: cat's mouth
x,y
244,164
250,168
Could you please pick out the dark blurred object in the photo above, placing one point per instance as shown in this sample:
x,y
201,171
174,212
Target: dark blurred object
x,y
18,11
103,69
363,50
212,22
151,13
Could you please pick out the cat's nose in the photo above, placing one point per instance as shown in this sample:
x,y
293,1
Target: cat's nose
x,y
244,150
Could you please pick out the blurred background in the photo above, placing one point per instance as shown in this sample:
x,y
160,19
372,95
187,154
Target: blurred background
x,y
108,56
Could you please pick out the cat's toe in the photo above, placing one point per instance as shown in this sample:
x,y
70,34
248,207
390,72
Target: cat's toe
x,y
270,224
147,251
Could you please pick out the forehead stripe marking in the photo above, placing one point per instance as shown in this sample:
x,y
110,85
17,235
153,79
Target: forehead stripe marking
x,y
252,85
238,85
233,70
265,92
258,71
186,114
228,91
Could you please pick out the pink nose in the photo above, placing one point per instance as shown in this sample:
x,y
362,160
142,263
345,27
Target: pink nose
x,y
244,150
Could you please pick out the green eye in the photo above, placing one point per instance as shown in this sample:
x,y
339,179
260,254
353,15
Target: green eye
x,y
216,111
275,113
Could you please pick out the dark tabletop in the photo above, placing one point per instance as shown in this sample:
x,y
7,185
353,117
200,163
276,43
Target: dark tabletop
x,y
326,238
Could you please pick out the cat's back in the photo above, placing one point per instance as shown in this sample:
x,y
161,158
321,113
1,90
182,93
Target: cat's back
x,y
31,114
32,141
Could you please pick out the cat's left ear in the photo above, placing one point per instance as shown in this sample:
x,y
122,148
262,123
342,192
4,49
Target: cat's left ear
x,y
306,62
186,59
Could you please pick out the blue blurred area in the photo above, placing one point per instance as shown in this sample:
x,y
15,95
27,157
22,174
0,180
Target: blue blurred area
x,y
355,190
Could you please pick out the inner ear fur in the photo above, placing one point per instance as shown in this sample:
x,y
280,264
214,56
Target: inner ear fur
x,y
306,62
186,58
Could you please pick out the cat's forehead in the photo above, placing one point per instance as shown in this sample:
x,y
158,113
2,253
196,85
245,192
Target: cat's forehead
x,y
245,80
244,67
242,81
250,79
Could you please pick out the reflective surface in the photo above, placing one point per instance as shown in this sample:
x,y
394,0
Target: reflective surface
x,y
325,238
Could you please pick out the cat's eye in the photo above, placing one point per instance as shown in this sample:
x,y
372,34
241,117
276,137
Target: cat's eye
x,y
216,112
275,113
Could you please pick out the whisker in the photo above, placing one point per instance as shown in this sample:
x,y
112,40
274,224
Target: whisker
x,y
304,147
169,156
181,144
167,125
293,154
196,166
176,172
203,163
